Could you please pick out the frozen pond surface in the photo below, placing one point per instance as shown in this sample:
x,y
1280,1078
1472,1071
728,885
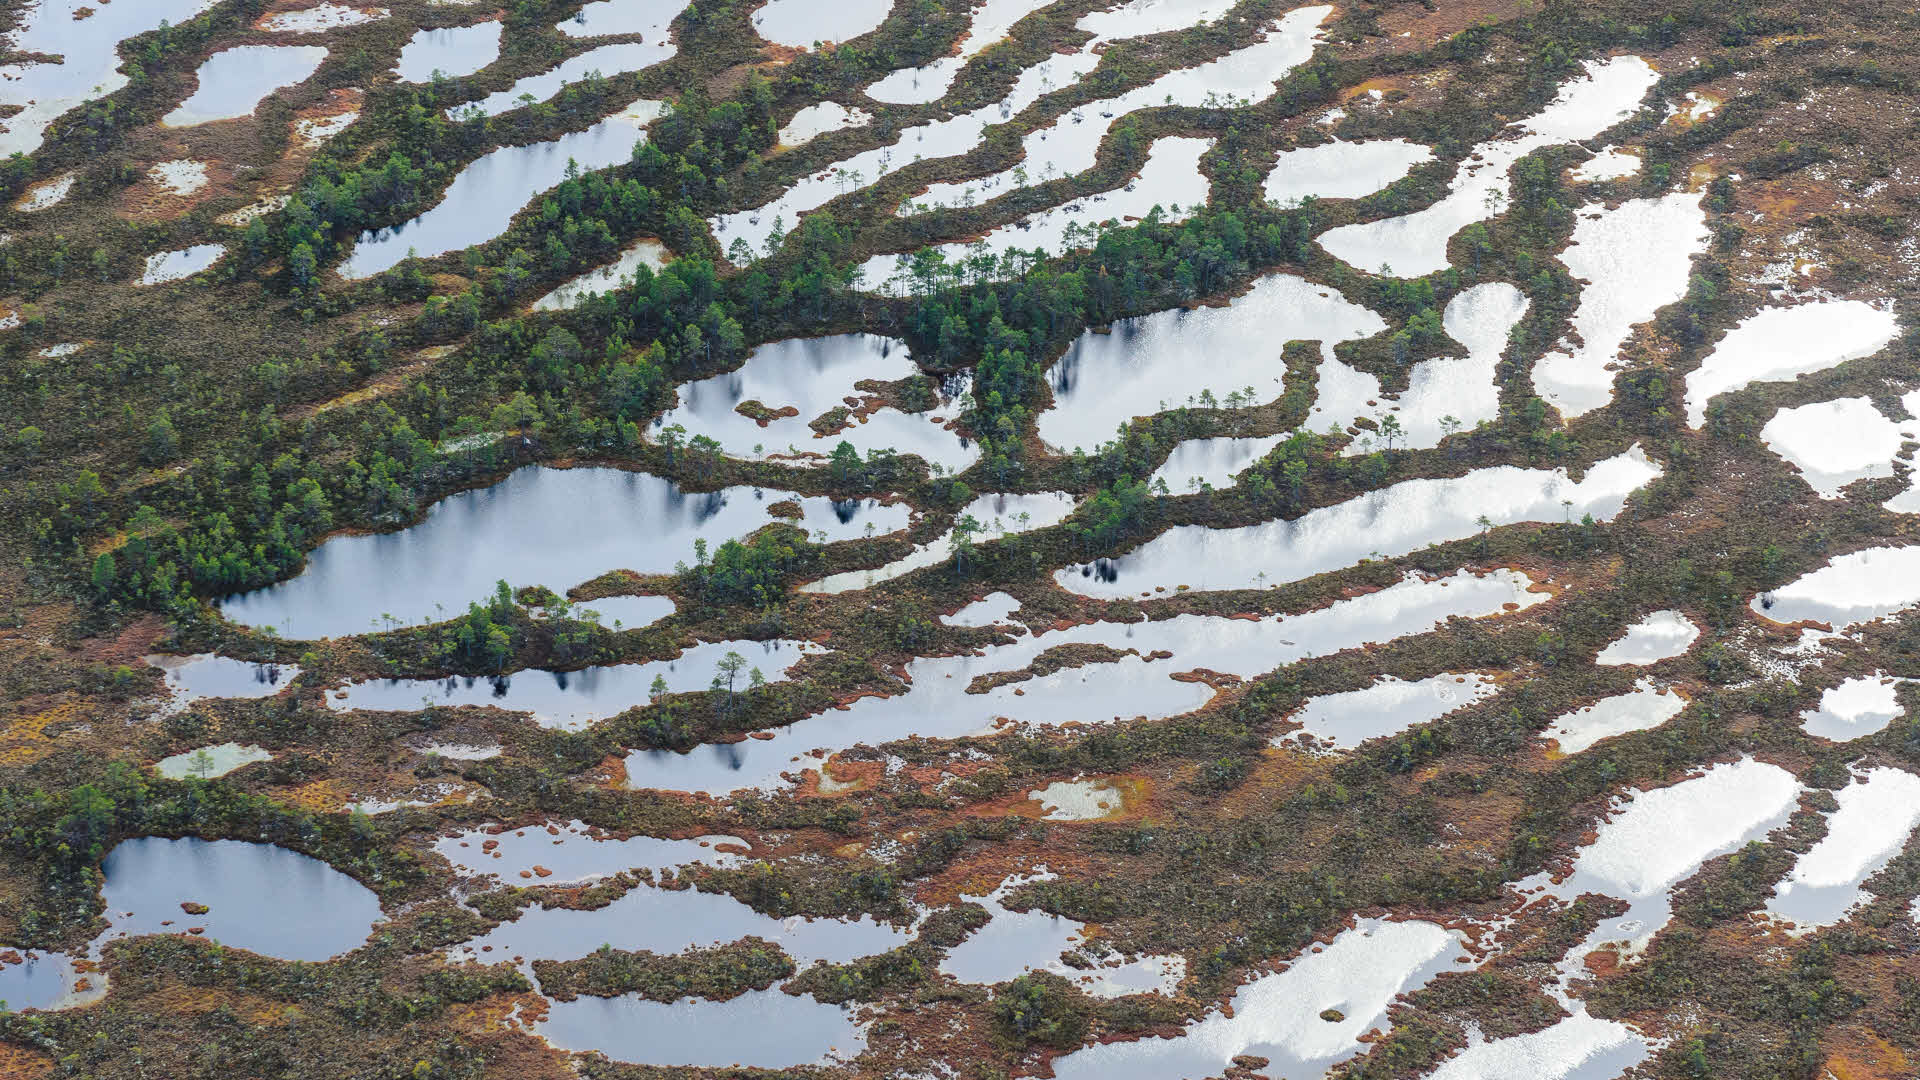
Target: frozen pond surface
x,y
481,201
1390,522
1854,709
991,22
571,853
233,81
1170,178
1069,145
1579,1047
455,52
1851,589
801,23
1786,342
1415,245
651,19
997,515
1444,393
1659,636
936,704
539,526
571,700
1634,259
1834,443
1138,18
816,120
324,17
218,761
1147,364
90,66
645,251
1388,707
811,377
262,898
673,920
1878,811
1016,942
759,1029
1278,1016
607,60
1197,464
168,266
204,675
1342,170
1645,706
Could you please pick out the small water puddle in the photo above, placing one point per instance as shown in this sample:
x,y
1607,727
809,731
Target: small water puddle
x,y
1834,443
936,702
1388,707
607,60
1645,706
800,381
1342,170
1851,589
539,526
319,19
669,921
1854,709
1778,344
570,852
1170,181
208,762
455,52
1015,942
646,251
764,1029
481,201
90,68
651,19
1415,245
1145,365
1634,258
168,266
233,81
1878,810
820,119
801,24
1660,636
996,515
991,22
1393,521
1302,1019
571,700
